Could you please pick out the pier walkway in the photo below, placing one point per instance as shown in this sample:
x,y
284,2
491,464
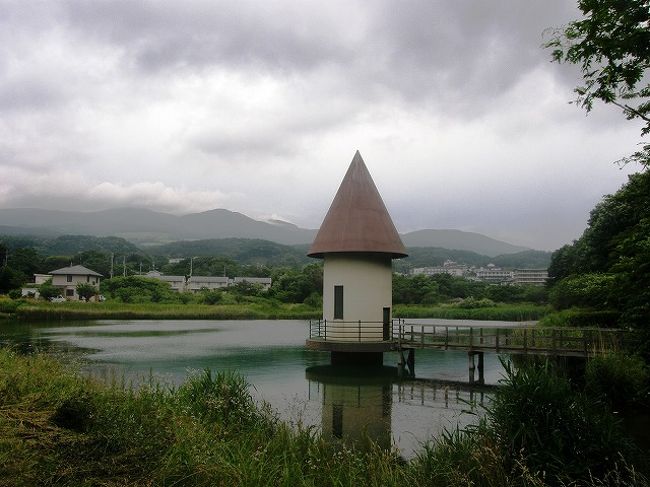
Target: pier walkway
x,y
405,338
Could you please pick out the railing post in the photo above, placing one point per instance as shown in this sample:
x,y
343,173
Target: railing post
x,y
525,340
554,341
325,324
497,340
359,330
471,337
446,337
480,331
422,336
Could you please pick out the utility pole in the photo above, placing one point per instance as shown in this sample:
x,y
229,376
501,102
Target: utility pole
x,y
140,269
112,262
124,265
191,265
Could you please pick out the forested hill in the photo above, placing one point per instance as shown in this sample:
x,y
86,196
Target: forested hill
x,y
247,251
69,245
256,251
241,250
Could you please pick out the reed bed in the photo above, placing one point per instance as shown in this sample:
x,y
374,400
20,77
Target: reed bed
x,y
69,311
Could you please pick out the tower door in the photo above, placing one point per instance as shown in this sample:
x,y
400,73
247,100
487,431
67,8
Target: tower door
x,y
387,324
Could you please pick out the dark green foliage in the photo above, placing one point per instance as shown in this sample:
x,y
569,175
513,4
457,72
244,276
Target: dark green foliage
x,y
587,290
294,286
48,291
611,261
422,289
582,318
611,44
242,250
86,291
136,289
622,380
536,416
10,279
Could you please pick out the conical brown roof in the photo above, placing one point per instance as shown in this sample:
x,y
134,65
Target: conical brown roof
x,y
357,220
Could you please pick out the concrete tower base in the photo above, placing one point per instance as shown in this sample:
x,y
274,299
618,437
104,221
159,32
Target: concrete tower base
x,y
374,359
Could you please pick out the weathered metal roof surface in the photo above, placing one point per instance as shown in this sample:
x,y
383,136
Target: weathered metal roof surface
x,y
357,220
76,270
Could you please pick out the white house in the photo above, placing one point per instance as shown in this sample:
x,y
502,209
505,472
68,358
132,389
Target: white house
x,y
67,279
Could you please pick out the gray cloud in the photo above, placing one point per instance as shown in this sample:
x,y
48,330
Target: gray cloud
x,y
259,106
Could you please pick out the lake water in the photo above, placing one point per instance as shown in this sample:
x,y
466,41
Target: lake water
x,y
299,384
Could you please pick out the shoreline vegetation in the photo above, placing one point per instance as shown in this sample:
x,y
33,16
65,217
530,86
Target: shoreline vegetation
x,y
259,309
61,428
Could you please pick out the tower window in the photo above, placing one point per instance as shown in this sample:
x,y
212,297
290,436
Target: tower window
x,y
338,302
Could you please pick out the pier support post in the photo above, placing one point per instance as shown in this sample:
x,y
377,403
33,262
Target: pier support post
x,y
473,365
407,363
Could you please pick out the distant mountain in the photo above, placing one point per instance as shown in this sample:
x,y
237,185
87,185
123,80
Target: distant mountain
x,y
459,240
147,227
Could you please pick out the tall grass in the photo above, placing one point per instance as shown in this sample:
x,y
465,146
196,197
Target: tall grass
x,y
57,428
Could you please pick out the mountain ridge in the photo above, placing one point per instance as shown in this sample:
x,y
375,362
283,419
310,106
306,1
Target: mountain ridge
x,y
144,226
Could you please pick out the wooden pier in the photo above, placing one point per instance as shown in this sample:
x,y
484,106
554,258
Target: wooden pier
x,y
528,339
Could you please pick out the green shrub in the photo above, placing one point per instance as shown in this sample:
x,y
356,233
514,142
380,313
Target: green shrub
x,y
536,416
593,290
582,318
622,380
15,294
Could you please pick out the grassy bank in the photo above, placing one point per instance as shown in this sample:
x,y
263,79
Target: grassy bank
x,y
41,310
57,428
500,312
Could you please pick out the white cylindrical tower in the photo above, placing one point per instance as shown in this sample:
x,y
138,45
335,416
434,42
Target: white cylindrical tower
x,y
357,242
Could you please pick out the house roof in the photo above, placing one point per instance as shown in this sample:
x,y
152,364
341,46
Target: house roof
x,y
76,270
357,220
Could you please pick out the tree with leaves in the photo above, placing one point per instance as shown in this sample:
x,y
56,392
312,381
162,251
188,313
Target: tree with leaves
x,y
48,291
86,291
611,44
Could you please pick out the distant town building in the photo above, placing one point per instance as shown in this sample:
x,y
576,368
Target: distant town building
x,y
531,277
177,283
175,260
196,283
493,274
448,267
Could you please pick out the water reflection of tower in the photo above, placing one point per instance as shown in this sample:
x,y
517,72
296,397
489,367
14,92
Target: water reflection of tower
x,y
356,402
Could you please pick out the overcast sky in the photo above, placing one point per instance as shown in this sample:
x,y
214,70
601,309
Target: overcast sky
x,y
259,106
